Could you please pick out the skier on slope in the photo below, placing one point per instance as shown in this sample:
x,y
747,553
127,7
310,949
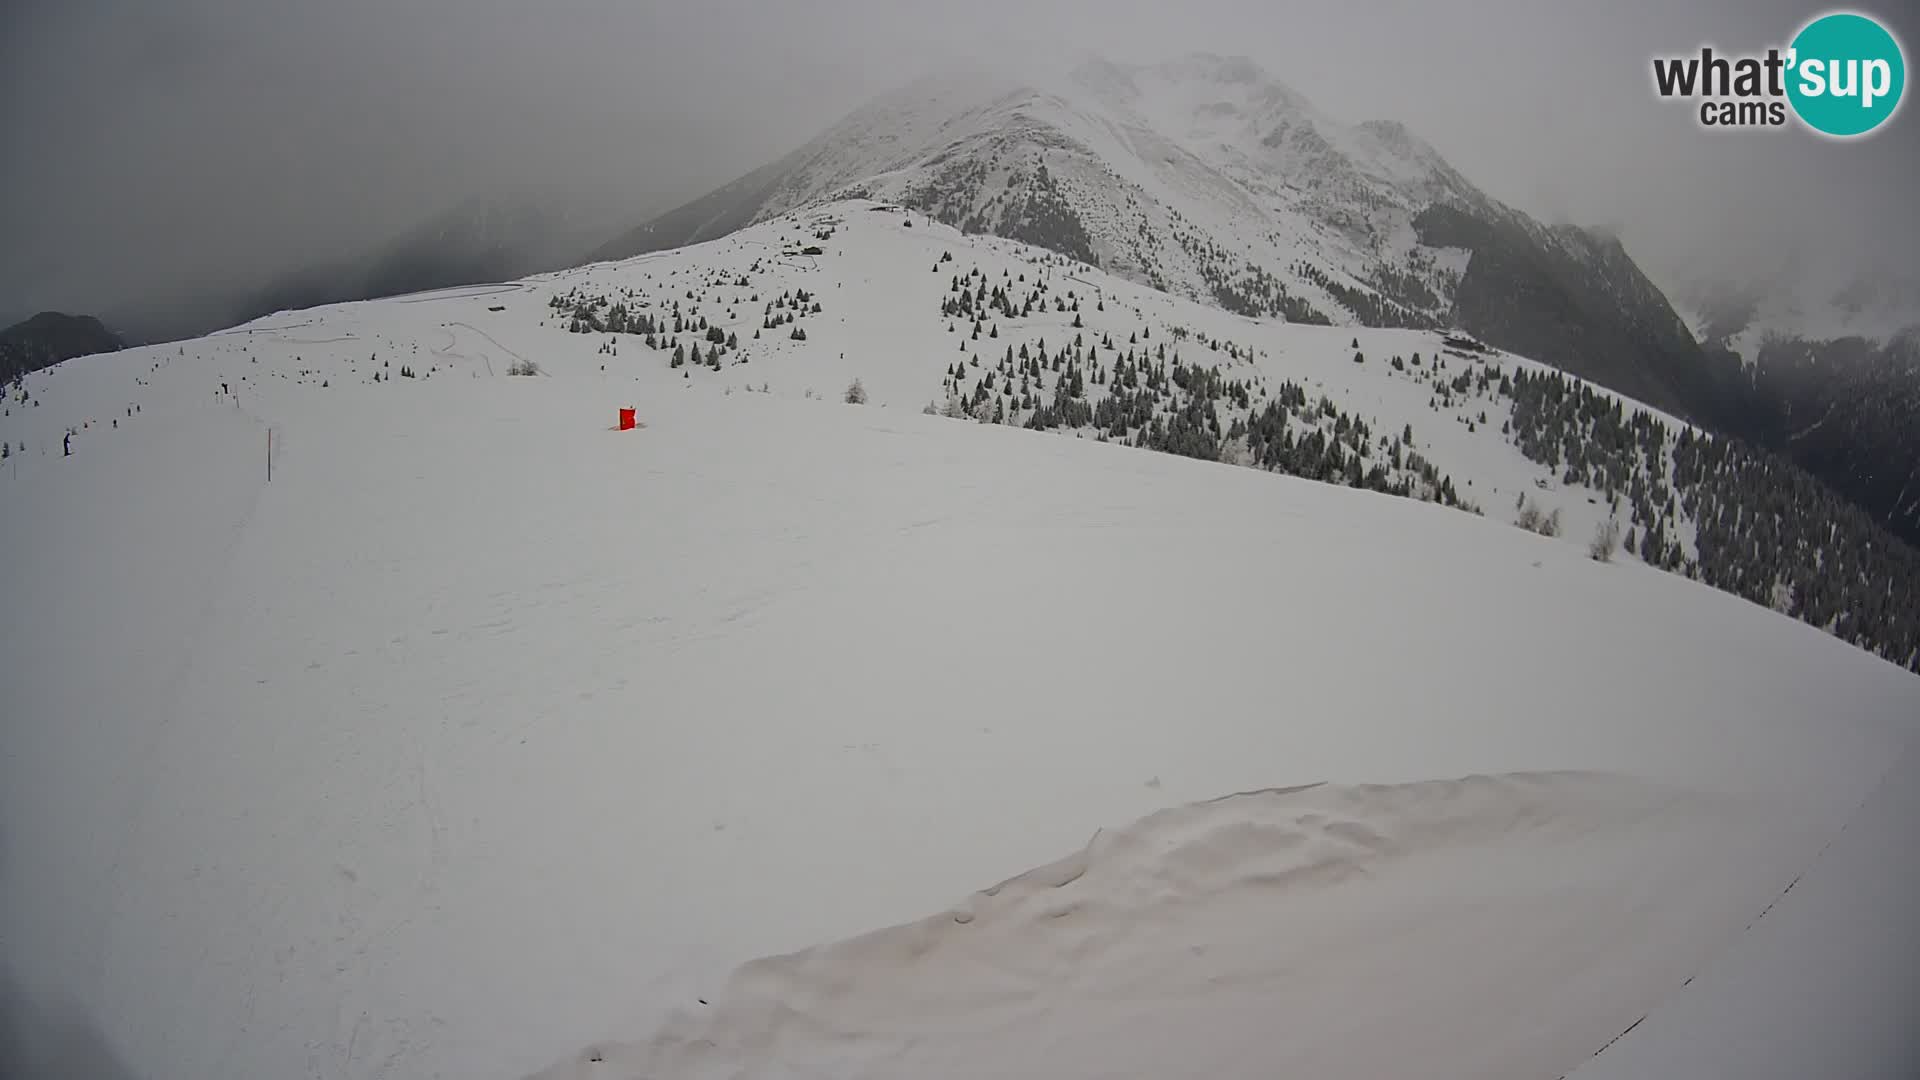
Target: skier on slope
x,y
66,445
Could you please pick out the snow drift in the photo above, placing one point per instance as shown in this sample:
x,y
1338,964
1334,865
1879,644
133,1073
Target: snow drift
x,y
1325,931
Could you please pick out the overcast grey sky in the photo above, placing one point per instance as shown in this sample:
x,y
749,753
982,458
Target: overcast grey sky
x,y
158,148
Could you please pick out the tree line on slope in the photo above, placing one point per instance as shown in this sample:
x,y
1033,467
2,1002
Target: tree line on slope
x,y
629,313
1763,528
1140,393
1760,528
1845,410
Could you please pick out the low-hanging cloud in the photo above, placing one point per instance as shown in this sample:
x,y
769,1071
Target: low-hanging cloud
x,y
162,154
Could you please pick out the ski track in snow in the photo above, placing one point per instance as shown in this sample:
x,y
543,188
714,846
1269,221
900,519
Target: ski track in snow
x,y
1823,981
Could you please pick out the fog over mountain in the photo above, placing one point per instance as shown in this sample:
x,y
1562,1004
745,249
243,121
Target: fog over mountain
x,y
167,162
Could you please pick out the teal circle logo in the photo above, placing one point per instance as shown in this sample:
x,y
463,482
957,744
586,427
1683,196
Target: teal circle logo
x,y
1846,75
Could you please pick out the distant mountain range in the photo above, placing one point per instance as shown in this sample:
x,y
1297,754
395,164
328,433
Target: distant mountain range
x,y
480,241
47,339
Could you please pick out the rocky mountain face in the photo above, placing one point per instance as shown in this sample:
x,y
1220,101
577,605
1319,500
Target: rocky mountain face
x,y
47,339
1573,298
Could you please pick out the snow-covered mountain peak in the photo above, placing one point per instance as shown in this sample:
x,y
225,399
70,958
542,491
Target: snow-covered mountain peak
x,y
1209,178
1205,176
1230,106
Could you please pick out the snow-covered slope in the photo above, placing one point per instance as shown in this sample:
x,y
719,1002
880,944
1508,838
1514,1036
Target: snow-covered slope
x,y
484,733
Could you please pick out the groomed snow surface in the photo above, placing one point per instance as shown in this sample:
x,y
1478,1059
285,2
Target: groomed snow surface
x,y
486,741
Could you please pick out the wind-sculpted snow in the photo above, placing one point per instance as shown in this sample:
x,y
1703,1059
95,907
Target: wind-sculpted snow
x,y
1484,927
